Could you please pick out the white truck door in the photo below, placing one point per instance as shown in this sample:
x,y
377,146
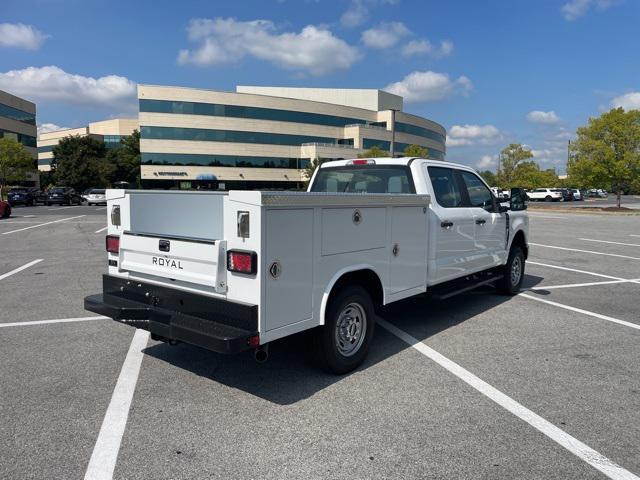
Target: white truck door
x,y
490,226
452,227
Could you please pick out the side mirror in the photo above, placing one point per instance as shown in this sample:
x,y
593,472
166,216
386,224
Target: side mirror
x,y
519,199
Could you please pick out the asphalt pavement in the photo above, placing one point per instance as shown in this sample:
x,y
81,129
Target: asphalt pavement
x,y
566,351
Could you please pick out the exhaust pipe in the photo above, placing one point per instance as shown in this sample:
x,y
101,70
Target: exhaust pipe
x,y
261,354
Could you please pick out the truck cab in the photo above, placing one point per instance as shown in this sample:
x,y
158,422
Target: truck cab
x,y
235,271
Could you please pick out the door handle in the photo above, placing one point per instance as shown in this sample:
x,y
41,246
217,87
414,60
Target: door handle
x,y
481,221
446,224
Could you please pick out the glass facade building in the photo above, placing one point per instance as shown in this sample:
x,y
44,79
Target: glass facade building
x,y
267,135
18,122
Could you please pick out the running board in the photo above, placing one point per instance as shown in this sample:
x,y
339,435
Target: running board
x,y
444,291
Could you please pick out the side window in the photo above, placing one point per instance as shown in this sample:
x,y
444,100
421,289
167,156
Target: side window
x,y
479,194
445,187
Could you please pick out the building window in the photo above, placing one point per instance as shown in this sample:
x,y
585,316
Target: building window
x,y
193,159
112,141
368,143
239,111
19,115
234,136
420,132
26,140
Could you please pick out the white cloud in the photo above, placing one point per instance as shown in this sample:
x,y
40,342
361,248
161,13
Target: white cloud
x,y
628,101
49,127
19,35
355,15
575,9
467,135
538,116
486,161
385,35
429,86
550,157
53,84
425,47
315,49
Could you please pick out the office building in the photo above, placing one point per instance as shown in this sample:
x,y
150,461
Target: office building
x,y
18,121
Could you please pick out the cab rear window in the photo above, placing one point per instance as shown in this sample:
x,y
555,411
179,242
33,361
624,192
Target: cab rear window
x,y
364,179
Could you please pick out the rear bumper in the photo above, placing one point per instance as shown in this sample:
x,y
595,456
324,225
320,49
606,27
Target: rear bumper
x,y
211,323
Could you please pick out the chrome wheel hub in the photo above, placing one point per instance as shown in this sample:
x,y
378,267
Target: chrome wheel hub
x,y
516,271
351,329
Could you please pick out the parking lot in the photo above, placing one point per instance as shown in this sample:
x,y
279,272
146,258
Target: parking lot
x,y
541,385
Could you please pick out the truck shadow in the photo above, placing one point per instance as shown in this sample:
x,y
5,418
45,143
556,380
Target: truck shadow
x,y
290,376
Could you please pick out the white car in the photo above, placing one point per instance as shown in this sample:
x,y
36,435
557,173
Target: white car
x,y
577,194
96,196
546,195
231,271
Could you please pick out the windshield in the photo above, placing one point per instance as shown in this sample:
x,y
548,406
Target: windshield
x,y
97,192
57,190
364,179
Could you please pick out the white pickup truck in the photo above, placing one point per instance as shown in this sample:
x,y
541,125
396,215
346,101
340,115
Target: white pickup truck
x,y
235,271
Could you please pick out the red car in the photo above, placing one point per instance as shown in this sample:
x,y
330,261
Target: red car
x,y
5,209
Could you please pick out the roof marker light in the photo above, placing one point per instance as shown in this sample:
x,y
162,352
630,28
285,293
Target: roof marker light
x,y
362,161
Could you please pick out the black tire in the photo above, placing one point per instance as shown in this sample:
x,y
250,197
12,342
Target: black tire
x,y
548,198
7,212
330,353
510,283
48,204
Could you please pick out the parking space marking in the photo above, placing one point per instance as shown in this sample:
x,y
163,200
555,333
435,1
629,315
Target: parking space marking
x,y
102,229
29,216
101,208
44,322
42,224
547,216
19,269
105,452
584,251
558,267
572,444
60,208
575,285
580,310
608,241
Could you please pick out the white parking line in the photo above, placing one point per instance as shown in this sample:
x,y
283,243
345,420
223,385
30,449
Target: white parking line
x,y
584,251
575,285
44,322
105,452
42,224
29,216
558,267
19,269
102,229
608,241
547,216
632,235
101,208
584,312
572,444
60,208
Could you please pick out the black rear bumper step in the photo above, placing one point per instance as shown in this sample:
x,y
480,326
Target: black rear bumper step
x,y
211,323
456,287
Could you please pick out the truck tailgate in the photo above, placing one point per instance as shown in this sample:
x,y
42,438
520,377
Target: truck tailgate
x,y
197,261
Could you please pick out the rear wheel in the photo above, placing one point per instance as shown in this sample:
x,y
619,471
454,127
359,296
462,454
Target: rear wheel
x,y
513,272
342,343
7,211
548,198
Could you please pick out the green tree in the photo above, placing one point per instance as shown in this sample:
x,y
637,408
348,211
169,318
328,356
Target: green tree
x,y
374,152
15,162
311,168
489,177
510,157
126,160
606,153
529,175
416,151
80,162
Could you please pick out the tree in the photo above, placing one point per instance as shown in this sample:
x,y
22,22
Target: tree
x,y
529,175
489,177
374,152
15,162
126,160
510,157
416,151
606,153
311,168
79,162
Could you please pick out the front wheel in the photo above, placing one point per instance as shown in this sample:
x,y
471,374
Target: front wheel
x,y
548,198
513,273
341,345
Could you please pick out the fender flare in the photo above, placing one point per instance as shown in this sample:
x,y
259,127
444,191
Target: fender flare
x,y
337,276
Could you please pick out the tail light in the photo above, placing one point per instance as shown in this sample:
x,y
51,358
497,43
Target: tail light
x,y
242,261
113,244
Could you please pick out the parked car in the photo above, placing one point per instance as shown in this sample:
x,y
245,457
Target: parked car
x,y
21,196
95,196
577,194
235,271
567,194
5,209
40,196
597,193
63,196
546,195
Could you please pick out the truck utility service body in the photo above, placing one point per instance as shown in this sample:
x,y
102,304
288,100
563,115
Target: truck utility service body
x,y
233,271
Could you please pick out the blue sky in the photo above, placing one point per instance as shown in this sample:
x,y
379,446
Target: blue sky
x,y
494,72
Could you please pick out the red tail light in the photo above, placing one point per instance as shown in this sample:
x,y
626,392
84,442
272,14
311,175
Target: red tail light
x,y
113,243
242,261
